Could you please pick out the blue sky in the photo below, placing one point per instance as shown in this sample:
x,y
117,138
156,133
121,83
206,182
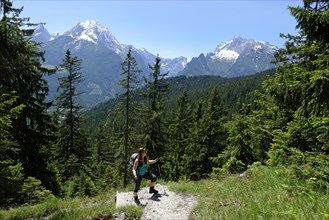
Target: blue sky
x,y
171,28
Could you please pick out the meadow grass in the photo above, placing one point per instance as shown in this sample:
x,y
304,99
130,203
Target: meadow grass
x,y
263,194
99,207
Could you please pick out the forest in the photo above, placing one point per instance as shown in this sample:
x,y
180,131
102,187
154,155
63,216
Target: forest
x,y
198,127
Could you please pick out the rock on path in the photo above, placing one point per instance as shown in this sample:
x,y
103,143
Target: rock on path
x,y
166,205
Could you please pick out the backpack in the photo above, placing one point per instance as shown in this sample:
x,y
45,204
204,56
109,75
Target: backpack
x,y
133,157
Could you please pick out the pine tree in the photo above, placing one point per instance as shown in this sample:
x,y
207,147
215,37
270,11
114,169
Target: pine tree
x,y
211,137
300,89
156,89
239,152
73,143
11,172
130,81
193,154
21,72
180,129
312,20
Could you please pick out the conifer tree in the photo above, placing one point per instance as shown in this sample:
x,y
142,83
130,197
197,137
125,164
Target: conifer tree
x,y
192,158
300,90
239,152
129,82
180,129
74,149
156,89
21,72
11,171
211,138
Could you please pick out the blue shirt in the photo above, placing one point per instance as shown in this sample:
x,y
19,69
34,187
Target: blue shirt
x,y
141,169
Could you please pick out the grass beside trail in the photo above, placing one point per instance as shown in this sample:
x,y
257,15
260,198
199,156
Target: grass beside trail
x,y
100,207
264,194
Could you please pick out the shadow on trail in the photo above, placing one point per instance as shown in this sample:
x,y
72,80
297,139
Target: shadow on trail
x,y
156,197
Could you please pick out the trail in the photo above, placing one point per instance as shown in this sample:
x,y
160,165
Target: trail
x,y
167,205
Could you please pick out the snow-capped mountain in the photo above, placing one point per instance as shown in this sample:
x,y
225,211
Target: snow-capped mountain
x,y
235,57
95,33
174,65
232,49
102,56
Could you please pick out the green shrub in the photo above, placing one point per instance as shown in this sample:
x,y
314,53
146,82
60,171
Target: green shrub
x,y
80,186
33,192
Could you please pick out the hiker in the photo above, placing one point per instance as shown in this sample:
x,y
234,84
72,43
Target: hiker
x,y
140,171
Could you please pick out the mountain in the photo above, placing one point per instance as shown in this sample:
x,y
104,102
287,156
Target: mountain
x,y
236,57
41,34
101,56
93,32
174,65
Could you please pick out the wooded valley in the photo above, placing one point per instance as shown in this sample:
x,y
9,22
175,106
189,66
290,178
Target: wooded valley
x,y
199,127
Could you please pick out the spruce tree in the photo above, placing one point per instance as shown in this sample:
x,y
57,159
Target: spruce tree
x,y
21,72
11,171
129,83
212,135
178,157
192,156
300,90
156,89
73,147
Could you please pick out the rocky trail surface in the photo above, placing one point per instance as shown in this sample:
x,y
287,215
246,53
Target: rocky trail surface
x,y
166,205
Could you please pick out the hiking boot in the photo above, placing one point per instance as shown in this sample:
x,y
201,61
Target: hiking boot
x,y
136,200
152,190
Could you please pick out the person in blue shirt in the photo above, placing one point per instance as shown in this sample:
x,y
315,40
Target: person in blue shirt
x,y
140,172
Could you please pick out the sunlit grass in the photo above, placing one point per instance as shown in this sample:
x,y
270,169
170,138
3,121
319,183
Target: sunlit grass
x,y
263,194
99,207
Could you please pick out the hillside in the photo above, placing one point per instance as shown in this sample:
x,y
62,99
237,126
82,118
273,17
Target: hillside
x,y
234,91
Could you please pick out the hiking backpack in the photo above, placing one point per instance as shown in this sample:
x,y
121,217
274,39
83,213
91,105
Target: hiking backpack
x,y
133,157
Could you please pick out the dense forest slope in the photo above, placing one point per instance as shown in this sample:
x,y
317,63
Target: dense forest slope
x,y
233,92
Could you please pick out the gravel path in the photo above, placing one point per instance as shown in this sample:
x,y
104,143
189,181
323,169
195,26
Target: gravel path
x,y
166,205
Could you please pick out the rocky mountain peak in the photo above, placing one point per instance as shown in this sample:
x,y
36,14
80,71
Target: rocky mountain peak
x,y
41,34
232,49
95,33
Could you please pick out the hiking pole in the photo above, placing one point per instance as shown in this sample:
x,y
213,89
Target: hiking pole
x,y
159,170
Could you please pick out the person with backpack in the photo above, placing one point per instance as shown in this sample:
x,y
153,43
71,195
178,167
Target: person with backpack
x,y
140,171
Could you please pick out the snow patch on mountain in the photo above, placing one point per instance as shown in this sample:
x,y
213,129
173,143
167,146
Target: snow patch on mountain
x,y
54,36
173,66
226,54
224,44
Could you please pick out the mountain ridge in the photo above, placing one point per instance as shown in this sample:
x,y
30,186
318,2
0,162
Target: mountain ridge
x,y
235,57
102,55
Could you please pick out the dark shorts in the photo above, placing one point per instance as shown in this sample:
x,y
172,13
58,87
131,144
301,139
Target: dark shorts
x,y
147,175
